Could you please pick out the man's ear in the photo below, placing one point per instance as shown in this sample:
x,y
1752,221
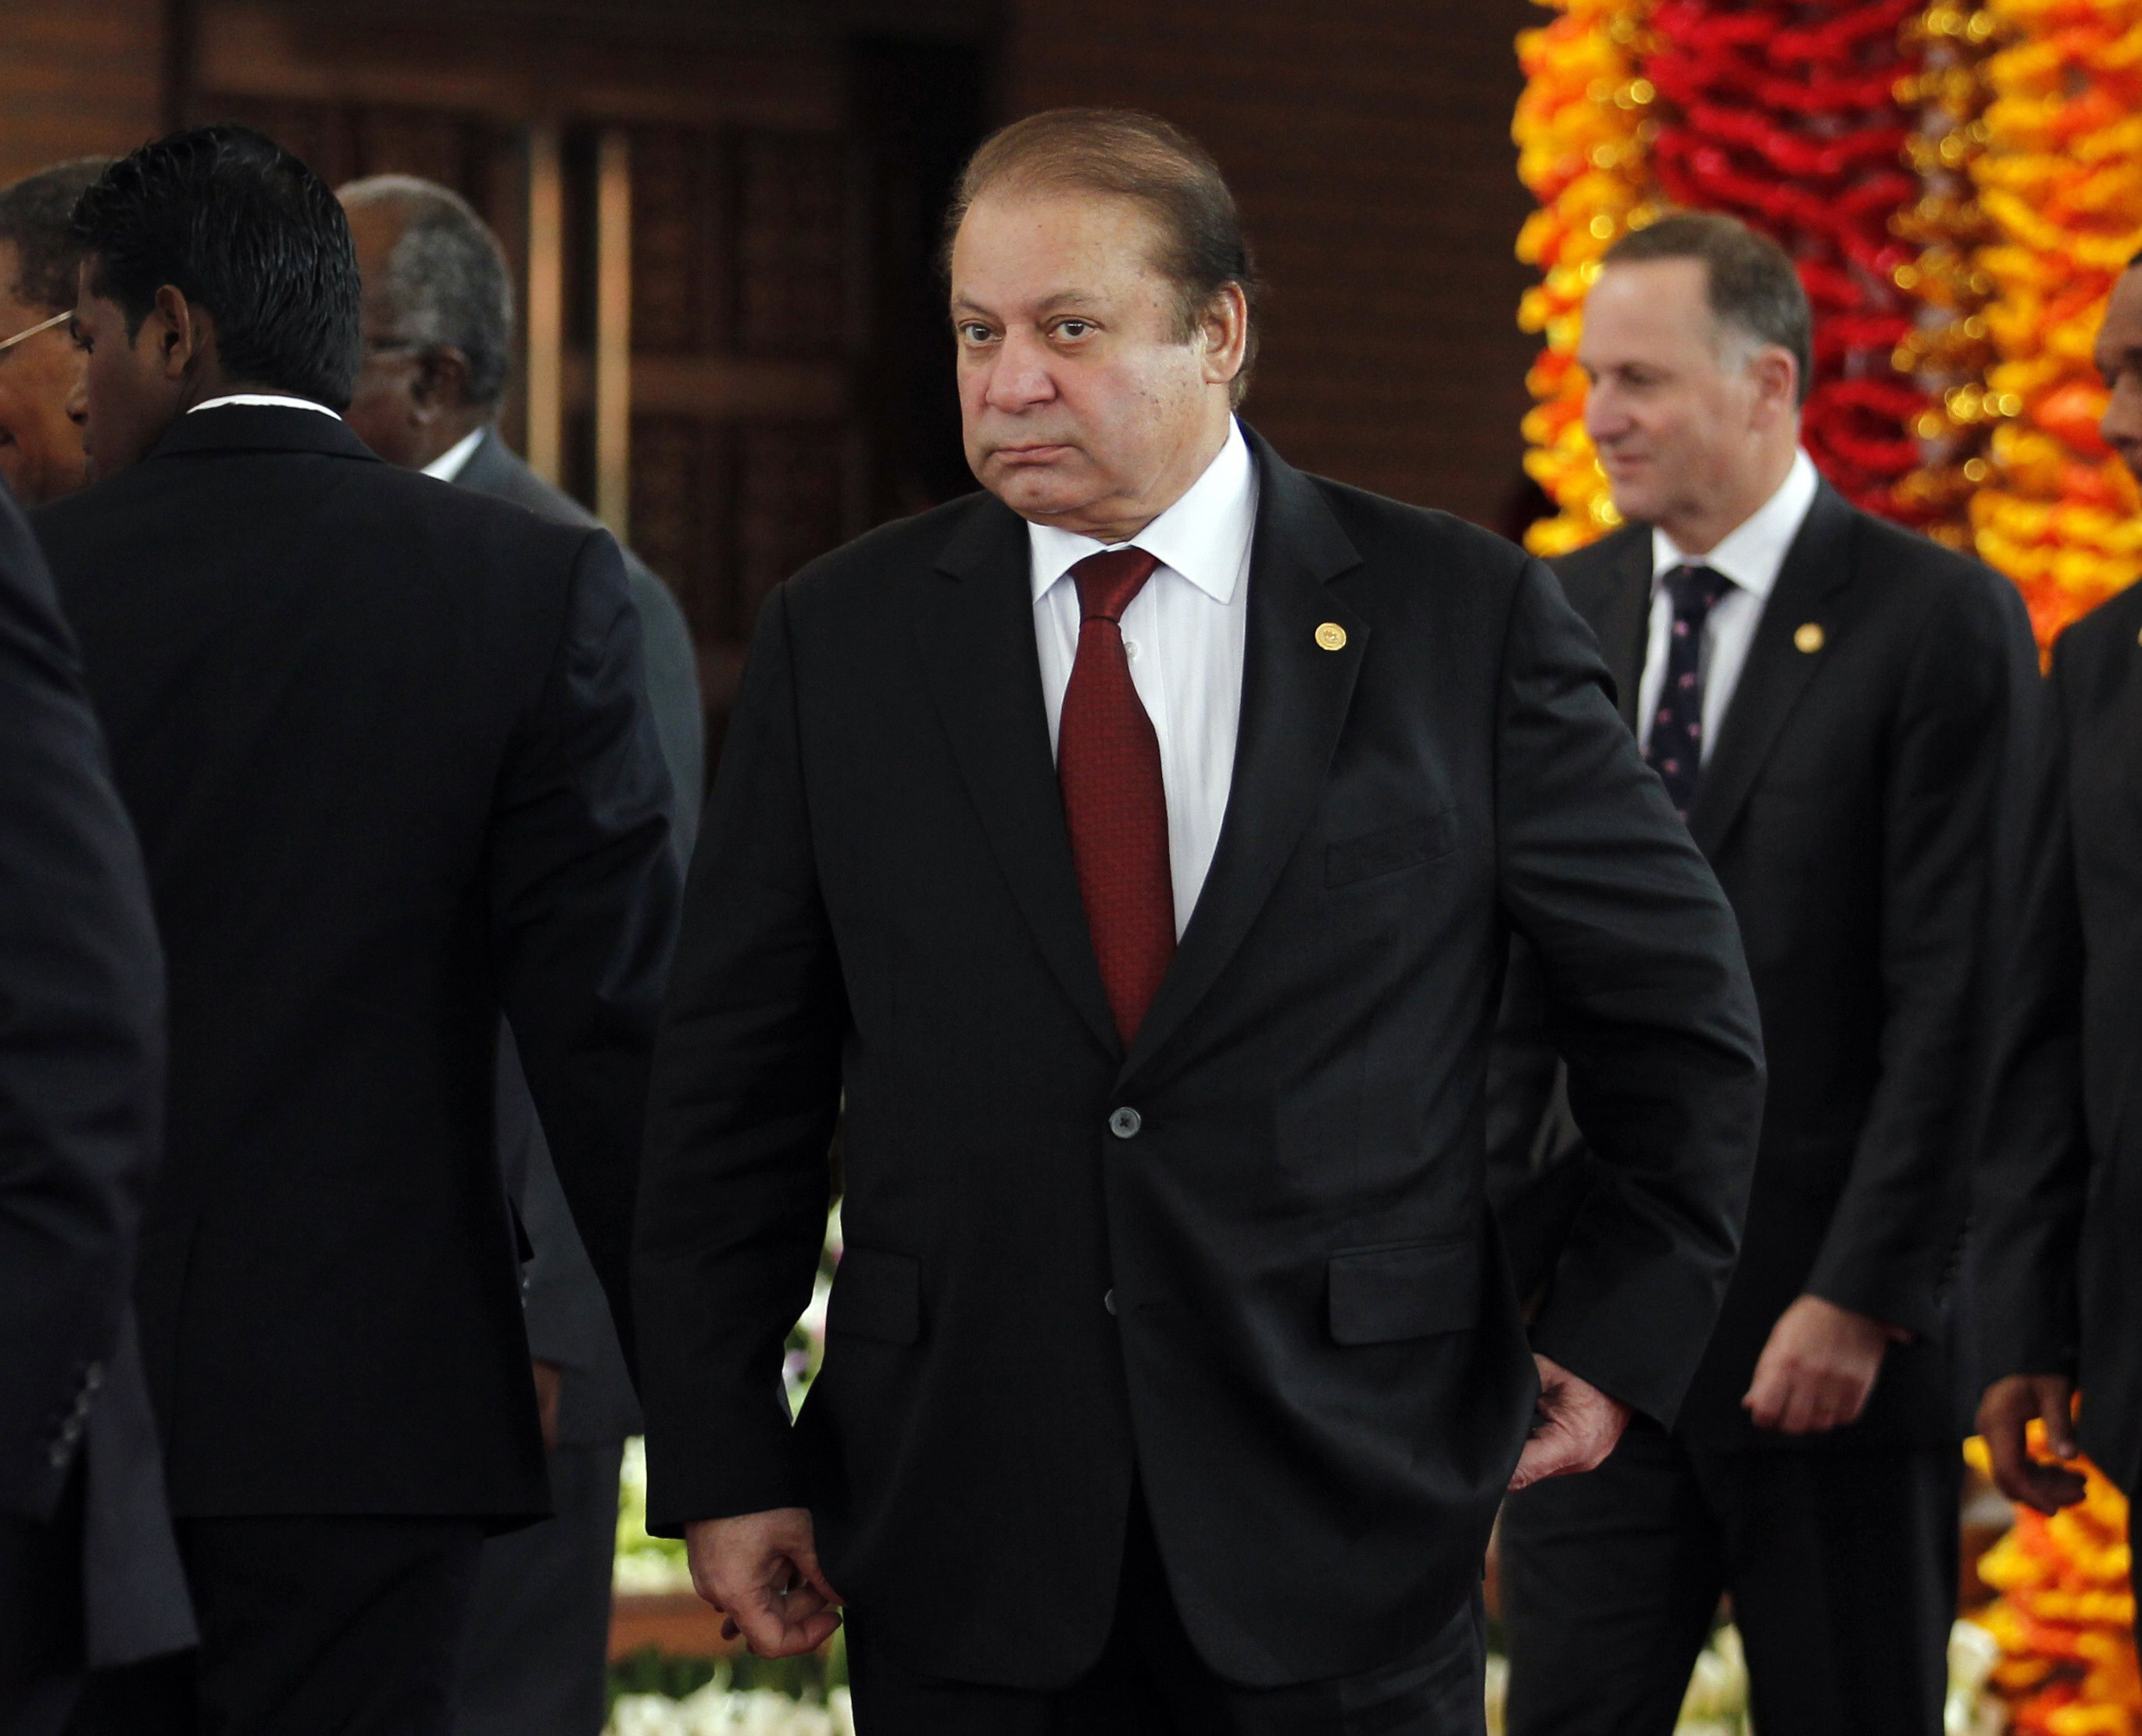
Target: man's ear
x,y
1776,371
441,385
181,332
1223,330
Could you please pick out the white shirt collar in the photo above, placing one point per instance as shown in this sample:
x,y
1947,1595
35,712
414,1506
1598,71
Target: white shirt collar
x,y
272,400
452,461
1753,551
1203,535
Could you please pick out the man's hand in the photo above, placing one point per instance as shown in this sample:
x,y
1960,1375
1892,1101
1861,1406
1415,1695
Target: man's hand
x,y
761,1571
1577,1426
549,1378
2004,1418
1818,1370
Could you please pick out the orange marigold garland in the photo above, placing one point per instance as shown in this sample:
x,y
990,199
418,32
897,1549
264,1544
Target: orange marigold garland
x,y
2060,182
1784,113
1581,128
1950,349
2064,1617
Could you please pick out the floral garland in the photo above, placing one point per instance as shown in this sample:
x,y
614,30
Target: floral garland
x,y
1786,114
1950,349
2059,180
1581,128
2065,1618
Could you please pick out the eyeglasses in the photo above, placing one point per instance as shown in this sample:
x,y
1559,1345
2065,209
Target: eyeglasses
x,y
8,343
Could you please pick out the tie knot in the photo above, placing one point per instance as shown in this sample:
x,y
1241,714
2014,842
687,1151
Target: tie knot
x,y
1695,590
1107,581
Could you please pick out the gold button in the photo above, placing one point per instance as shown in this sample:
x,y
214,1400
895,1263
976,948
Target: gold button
x,y
1808,637
1332,636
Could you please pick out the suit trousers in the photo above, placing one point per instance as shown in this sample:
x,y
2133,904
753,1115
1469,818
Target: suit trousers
x,y
41,1616
535,1658
1841,1562
309,1624
1151,1682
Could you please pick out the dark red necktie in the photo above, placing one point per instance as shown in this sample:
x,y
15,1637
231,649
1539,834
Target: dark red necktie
x,y
1108,763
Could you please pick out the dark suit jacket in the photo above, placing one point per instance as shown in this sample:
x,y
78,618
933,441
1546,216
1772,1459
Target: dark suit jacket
x,y
1273,1293
387,749
1850,808
2059,1190
569,1322
81,1073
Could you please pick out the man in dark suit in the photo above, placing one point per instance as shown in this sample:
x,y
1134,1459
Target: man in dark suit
x,y
1136,845
1828,700
438,332
2061,1171
389,751
89,1575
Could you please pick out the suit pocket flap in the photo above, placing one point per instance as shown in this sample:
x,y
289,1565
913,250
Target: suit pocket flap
x,y
876,1295
1404,1289
1405,846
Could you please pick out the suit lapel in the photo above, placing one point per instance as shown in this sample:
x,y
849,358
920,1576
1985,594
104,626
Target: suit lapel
x,y
974,636
1623,618
1779,668
1294,699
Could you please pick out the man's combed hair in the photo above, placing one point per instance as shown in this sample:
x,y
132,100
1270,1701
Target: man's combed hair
x,y
36,219
448,285
1750,282
1134,156
244,230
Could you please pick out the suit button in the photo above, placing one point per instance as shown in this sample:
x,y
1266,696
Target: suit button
x,y
1125,1123
93,1376
58,1456
1108,1301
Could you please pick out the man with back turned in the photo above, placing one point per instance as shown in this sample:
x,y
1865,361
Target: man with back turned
x,y
387,748
1135,844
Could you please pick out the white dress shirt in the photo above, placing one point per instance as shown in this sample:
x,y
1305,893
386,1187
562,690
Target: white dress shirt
x,y
452,461
1750,556
274,400
1184,633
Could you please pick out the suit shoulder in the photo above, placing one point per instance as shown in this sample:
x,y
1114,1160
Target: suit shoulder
x,y
867,565
1943,582
1428,541
2108,631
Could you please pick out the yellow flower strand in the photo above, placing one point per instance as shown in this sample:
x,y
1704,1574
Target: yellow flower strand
x,y
1580,133
2059,183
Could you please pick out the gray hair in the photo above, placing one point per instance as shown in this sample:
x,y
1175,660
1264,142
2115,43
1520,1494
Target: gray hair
x,y
447,282
37,218
1749,283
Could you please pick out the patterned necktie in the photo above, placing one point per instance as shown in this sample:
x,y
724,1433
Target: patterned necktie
x,y
1108,765
1674,750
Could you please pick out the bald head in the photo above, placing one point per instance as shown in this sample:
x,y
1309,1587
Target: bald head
x,y
438,317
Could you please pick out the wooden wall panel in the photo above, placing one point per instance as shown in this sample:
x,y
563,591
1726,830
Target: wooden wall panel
x,y
1369,146
81,79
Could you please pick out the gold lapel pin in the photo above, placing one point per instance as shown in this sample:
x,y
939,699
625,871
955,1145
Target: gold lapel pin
x,y
1332,636
1809,636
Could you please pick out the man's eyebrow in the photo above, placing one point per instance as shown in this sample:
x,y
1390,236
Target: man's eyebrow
x,y
1061,301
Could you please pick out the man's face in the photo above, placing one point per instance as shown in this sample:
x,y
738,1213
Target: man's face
x,y
385,409
132,388
1081,406
1673,412
41,455
2119,360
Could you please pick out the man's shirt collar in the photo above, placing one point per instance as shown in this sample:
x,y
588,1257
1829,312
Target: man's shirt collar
x,y
262,400
1754,552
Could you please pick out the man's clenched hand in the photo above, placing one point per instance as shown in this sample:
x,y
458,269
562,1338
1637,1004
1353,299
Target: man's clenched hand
x,y
1578,1426
761,1571
1817,1367
2004,1418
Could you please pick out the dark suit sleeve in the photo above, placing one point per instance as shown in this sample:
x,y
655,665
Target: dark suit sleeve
x,y
80,1038
746,1085
1893,1236
1649,1003
2032,1179
583,899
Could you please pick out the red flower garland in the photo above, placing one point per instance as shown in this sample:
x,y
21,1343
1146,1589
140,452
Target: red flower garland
x,y
1786,114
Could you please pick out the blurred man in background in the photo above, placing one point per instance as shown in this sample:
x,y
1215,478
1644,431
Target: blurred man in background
x,y
387,749
89,1575
41,455
438,334
2059,1191
1828,700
